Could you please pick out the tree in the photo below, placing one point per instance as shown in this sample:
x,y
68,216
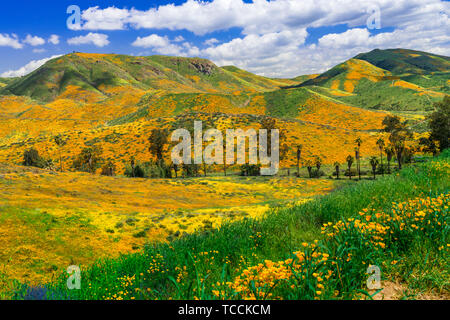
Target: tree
x,y
390,123
299,156
318,163
398,140
337,166
358,142
374,164
309,166
349,160
59,141
109,169
88,160
158,139
175,168
380,144
31,158
429,145
389,154
439,122
132,164
399,134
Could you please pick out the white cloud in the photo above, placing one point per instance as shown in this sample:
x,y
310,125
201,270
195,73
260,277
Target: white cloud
x,y
34,41
97,39
7,40
211,42
273,32
30,67
54,39
158,44
110,18
151,41
259,16
179,39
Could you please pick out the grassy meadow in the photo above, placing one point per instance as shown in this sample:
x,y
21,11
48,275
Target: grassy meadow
x,y
320,249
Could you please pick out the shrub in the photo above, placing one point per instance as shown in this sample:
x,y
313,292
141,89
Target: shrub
x,y
136,172
250,170
31,158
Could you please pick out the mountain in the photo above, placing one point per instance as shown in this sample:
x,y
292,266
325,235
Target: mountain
x,y
402,61
94,77
114,101
397,80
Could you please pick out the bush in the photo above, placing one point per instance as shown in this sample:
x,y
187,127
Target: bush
x,y
31,158
355,173
88,160
315,173
136,172
250,170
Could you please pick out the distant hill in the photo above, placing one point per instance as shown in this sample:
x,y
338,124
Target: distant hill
x,y
93,77
397,80
402,61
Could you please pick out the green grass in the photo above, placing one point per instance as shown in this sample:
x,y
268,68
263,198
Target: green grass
x,y
237,246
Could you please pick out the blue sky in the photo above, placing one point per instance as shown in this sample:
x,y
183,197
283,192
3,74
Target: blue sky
x,y
279,38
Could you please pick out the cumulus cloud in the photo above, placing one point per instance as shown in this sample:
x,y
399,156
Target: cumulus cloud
x,y
272,40
34,41
158,44
259,16
97,39
54,39
162,45
211,42
7,40
30,67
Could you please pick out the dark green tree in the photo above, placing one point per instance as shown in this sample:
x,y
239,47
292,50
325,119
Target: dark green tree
x,y
337,166
88,160
349,160
374,164
380,144
158,139
60,142
439,122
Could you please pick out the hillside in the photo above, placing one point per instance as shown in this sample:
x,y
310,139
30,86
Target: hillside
x,y
402,61
95,77
397,80
114,101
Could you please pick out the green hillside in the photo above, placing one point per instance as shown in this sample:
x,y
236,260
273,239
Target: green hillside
x,y
402,61
97,73
394,80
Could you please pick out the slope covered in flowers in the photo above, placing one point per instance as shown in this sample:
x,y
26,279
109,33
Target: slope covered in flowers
x,y
317,250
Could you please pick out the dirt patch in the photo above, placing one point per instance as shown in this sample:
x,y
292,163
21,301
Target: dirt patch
x,y
395,291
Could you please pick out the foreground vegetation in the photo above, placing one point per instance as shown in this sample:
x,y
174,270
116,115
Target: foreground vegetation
x,y
317,250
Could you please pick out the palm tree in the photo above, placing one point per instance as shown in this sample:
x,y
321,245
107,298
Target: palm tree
x,y
380,144
374,164
59,141
349,164
318,163
389,154
309,166
299,155
358,142
337,166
